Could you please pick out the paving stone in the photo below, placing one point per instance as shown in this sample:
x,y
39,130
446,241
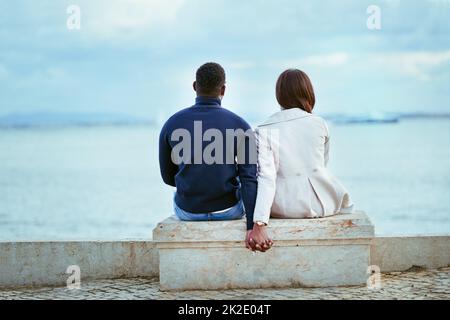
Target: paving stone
x,y
429,284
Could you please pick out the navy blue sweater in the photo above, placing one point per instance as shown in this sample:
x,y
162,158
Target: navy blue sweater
x,y
202,186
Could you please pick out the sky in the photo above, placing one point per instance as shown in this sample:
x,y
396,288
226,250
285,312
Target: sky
x,y
139,57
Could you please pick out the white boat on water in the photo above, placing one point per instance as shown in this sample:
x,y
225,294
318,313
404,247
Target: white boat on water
x,y
372,118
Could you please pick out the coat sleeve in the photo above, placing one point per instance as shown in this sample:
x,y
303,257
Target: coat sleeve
x,y
327,144
267,174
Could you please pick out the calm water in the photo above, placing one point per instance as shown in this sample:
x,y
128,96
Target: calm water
x,y
104,183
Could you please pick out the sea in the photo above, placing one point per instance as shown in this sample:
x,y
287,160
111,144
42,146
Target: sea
x,y
103,182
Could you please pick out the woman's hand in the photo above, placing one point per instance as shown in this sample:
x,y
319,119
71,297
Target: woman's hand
x,y
257,239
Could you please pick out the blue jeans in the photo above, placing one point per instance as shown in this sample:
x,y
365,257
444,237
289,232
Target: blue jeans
x,y
234,213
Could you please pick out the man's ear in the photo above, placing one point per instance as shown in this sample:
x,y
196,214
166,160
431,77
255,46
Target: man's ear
x,y
194,85
222,90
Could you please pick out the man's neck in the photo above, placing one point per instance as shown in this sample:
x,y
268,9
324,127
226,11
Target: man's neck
x,y
208,101
208,97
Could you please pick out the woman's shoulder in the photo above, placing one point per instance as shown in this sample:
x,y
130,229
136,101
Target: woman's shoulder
x,y
319,119
290,120
289,115
321,122
271,120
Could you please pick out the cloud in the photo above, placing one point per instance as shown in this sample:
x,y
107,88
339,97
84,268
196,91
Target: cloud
x,y
139,50
319,60
118,19
417,64
3,72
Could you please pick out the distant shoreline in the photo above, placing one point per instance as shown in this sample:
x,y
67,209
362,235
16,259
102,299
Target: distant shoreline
x,y
64,120
80,120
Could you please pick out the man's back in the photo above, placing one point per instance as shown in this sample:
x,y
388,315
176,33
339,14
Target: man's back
x,y
199,159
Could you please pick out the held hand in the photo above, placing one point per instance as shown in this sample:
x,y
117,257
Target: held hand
x,y
250,244
258,239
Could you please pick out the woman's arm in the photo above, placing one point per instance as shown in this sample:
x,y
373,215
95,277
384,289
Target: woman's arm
x,y
258,239
327,143
267,173
327,150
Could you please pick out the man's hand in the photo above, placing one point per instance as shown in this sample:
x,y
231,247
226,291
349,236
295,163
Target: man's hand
x,y
257,239
249,243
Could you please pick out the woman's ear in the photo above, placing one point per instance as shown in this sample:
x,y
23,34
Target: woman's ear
x,y
194,86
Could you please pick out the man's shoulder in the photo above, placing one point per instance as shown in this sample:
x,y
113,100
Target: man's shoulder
x,y
180,114
225,115
241,122
176,117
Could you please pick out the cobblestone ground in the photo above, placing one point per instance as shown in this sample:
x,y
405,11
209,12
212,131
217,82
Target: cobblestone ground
x,y
421,284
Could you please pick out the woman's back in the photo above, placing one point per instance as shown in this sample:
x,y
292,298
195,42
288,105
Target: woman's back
x,y
293,154
302,140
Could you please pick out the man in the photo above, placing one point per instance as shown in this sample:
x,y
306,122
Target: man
x,y
208,153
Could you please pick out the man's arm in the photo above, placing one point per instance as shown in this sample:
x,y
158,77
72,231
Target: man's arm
x,y
167,167
247,176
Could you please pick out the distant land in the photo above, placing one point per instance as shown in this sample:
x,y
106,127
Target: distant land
x,y
379,118
50,119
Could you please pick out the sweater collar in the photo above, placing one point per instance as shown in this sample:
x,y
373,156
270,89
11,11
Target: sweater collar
x,y
208,101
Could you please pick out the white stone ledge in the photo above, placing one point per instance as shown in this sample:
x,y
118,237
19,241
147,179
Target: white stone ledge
x,y
45,263
278,243
403,253
41,263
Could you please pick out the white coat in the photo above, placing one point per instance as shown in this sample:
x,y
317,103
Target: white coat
x,y
293,181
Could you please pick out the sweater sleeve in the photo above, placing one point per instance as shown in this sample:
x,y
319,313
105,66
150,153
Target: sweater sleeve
x,y
247,175
167,167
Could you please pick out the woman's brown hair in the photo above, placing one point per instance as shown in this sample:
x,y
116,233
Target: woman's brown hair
x,y
294,90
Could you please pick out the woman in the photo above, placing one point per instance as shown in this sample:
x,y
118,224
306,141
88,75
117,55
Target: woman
x,y
293,144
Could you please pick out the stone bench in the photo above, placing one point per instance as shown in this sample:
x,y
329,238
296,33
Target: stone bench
x,y
332,251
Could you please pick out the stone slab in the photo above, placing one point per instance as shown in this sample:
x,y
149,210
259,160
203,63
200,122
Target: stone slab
x,y
45,263
403,253
343,226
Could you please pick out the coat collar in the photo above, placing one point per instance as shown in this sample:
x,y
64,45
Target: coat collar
x,y
286,115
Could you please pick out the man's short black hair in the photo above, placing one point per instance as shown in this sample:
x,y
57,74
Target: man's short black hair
x,y
210,78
